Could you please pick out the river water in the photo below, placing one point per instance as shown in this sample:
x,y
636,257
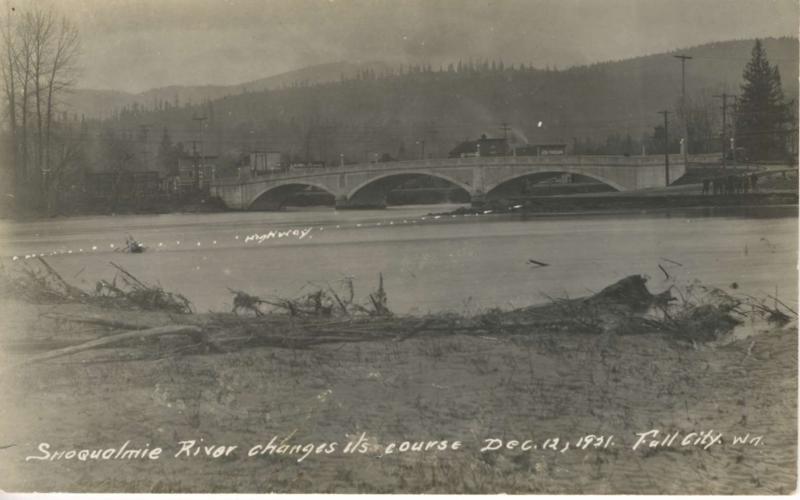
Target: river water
x,y
429,264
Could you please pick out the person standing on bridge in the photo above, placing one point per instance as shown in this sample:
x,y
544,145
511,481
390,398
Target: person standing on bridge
x,y
706,182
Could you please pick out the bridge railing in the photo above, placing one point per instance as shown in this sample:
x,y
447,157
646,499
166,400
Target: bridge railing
x,y
486,161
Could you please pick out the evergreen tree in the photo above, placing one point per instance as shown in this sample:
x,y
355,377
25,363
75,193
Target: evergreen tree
x,y
761,114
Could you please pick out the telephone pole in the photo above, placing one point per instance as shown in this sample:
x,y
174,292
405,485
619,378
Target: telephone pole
x,y
733,129
683,59
197,164
666,146
505,128
724,137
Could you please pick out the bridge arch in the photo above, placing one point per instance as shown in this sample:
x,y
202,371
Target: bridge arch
x,y
374,190
275,196
544,174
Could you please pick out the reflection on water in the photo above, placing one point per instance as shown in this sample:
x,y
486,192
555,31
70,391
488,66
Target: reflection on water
x,y
429,263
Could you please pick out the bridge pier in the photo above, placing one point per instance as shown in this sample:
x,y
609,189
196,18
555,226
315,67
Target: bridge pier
x,y
477,200
342,203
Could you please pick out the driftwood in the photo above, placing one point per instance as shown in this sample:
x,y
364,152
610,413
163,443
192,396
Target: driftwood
x,y
72,290
324,301
109,323
624,307
118,338
778,301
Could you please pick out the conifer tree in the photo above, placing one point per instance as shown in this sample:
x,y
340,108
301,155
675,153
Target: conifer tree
x,y
761,114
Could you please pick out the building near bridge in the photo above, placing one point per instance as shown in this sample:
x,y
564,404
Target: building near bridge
x,y
195,174
541,150
263,162
485,146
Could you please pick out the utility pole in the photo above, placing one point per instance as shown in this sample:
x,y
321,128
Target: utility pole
x,y
196,166
200,120
724,137
505,128
683,59
666,146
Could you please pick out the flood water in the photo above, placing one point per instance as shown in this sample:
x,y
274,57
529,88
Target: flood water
x,y
462,264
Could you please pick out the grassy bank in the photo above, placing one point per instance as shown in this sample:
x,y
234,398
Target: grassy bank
x,y
329,367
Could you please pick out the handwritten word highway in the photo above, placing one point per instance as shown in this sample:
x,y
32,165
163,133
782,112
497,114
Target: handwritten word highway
x,y
289,233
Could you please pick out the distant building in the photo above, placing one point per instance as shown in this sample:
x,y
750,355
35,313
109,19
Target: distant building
x,y
302,166
262,162
484,146
541,150
195,173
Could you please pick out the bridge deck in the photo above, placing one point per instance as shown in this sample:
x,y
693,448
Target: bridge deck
x,y
367,184
483,161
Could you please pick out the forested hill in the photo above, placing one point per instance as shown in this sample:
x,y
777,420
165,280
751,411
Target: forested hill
x,y
385,111
102,103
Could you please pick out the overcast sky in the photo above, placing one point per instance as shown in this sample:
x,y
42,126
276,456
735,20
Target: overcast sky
x,y
139,44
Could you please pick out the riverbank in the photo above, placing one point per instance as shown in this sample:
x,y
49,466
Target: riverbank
x,y
617,203
531,375
776,187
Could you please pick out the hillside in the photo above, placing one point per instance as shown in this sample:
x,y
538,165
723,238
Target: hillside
x,y
101,103
403,113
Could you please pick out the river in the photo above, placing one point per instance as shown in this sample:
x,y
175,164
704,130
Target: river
x,y
429,264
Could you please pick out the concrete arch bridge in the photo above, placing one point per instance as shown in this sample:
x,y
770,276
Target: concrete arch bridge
x,y
368,184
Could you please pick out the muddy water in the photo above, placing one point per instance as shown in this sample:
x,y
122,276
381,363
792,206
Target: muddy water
x,y
463,263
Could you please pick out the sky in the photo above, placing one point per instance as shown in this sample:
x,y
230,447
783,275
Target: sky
x,y
134,45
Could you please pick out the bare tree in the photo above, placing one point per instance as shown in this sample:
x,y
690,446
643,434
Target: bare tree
x,y
61,76
39,27
9,75
39,57
24,76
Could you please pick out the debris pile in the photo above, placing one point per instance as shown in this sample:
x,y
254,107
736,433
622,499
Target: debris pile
x,y
328,314
692,313
133,246
127,290
40,283
322,300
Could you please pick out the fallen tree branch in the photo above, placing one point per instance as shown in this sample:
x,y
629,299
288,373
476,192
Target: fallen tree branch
x,y
116,339
110,323
129,275
783,304
70,289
